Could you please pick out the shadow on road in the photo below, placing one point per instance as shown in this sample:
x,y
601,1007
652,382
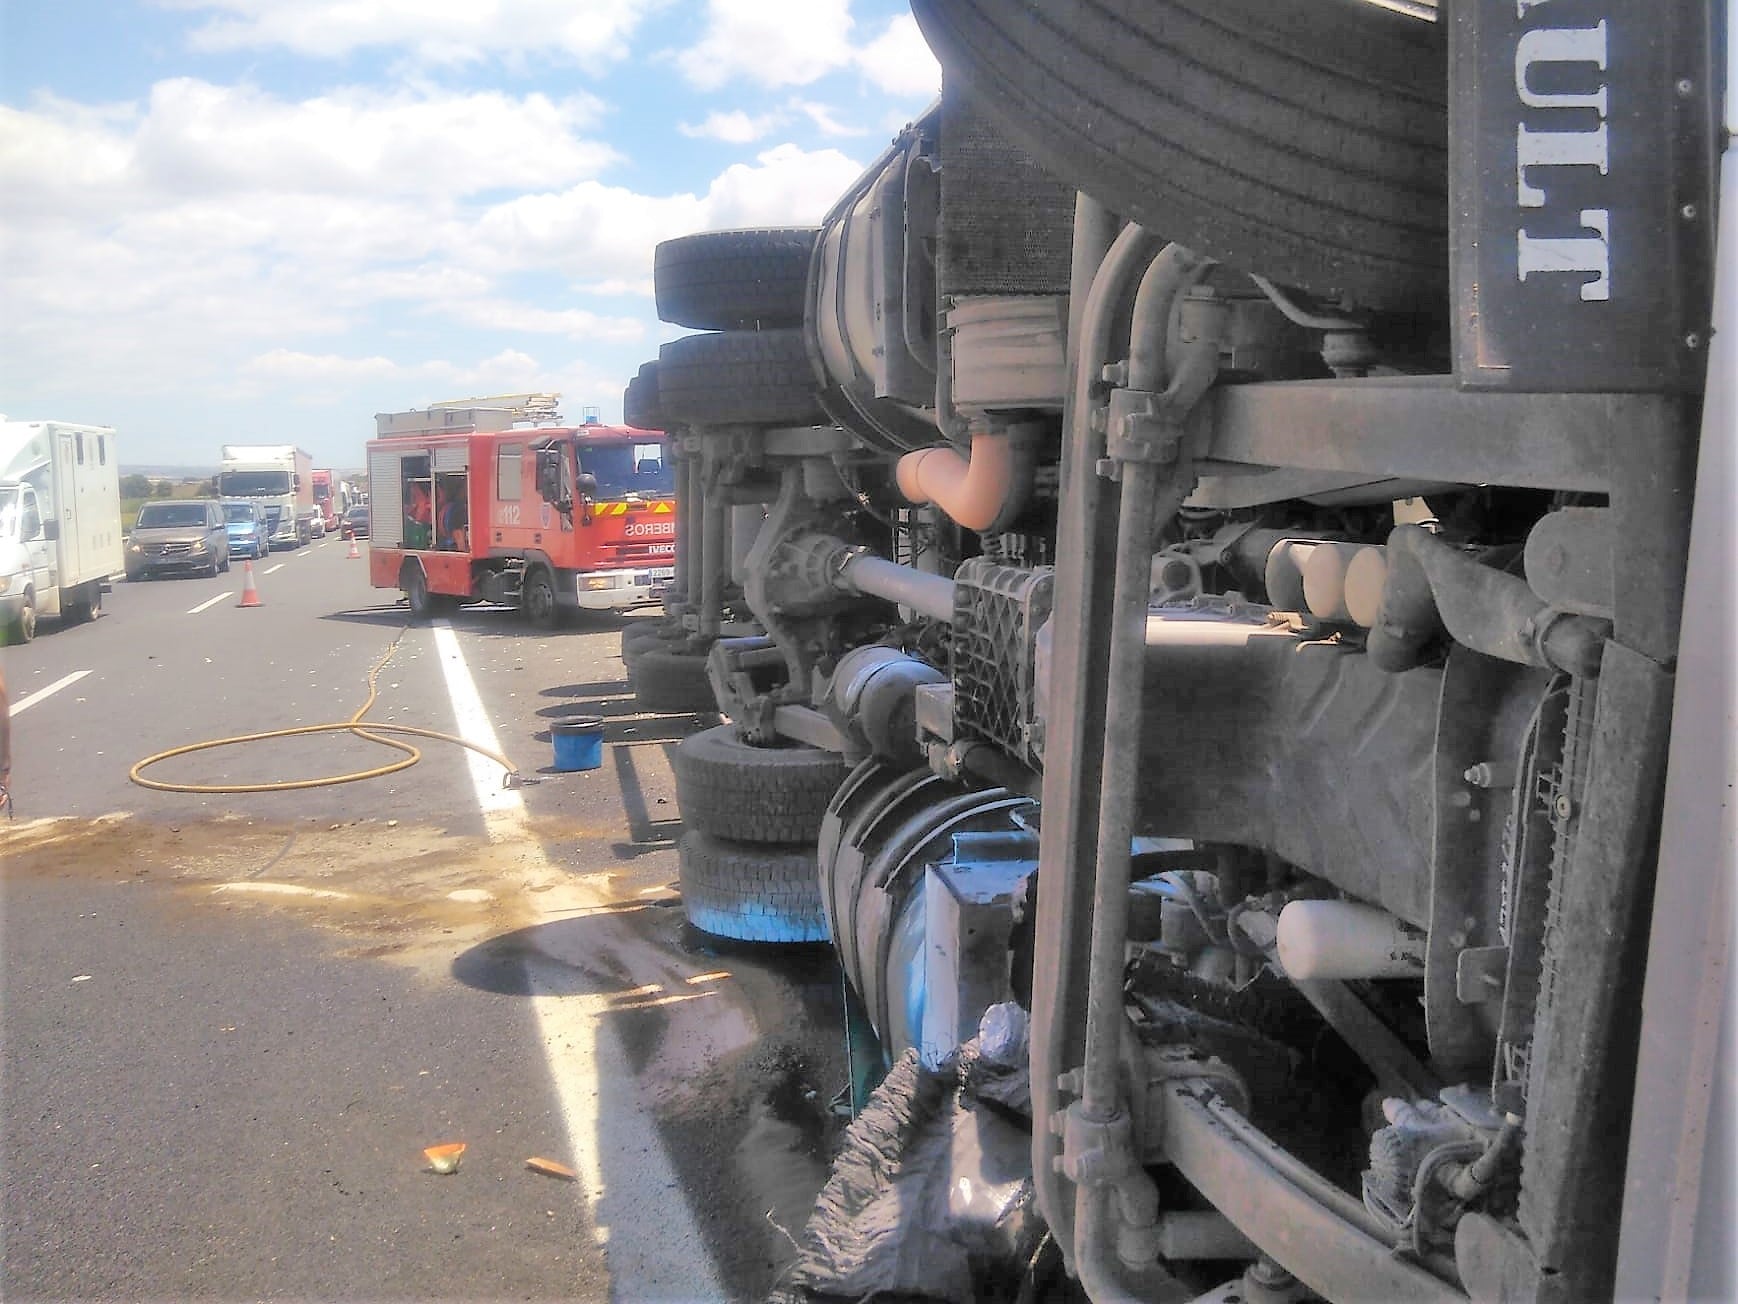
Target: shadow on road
x,y
596,688
386,616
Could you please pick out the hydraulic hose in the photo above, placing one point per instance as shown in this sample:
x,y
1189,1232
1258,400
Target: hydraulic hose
x,y
353,725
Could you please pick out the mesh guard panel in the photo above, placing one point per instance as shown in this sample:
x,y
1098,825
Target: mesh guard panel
x,y
998,611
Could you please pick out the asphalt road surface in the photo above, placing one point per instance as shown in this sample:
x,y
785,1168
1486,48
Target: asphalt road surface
x,y
232,1022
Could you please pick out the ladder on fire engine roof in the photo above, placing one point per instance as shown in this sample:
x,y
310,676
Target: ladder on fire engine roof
x,y
544,409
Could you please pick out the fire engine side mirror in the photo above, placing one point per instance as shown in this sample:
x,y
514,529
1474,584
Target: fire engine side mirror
x,y
549,478
586,482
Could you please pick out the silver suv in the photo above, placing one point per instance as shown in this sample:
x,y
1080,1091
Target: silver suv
x,y
183,535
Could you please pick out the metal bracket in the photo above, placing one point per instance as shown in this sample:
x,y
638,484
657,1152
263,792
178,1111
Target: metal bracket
x,y
1480,973
1096,1152
1143,427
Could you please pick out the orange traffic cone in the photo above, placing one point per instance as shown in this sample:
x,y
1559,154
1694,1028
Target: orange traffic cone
x,y
249,594
354,552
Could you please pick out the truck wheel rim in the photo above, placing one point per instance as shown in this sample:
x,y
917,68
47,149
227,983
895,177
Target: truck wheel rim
x,y
539,600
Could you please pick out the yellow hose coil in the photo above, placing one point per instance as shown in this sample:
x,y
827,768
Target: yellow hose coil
x,y
353,725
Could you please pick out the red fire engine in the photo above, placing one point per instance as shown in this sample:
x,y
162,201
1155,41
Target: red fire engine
x,y
495,500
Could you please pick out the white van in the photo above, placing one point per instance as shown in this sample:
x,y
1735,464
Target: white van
x,y
60,522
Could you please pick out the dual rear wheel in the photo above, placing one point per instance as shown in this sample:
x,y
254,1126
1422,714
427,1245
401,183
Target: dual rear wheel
x,y
751,815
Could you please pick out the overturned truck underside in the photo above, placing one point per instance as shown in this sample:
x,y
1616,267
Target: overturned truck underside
x,y
1188,607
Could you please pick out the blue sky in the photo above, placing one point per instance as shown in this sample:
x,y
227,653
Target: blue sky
x,y
236,221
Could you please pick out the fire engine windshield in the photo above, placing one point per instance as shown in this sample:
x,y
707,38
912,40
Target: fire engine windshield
x,y
629,470
253,484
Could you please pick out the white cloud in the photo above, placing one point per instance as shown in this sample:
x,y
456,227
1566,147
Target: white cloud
x,y
619,287
734,128
197,136
441,33
785,186
320,368
769,42
588,231
502,315
213,249
899,60
361,384
828,125
596,233
192,140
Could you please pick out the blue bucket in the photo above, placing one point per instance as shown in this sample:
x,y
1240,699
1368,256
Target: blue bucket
x,y
578,742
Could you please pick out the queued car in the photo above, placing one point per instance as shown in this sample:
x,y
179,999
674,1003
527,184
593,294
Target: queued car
x,y
185,535
355,524
249,532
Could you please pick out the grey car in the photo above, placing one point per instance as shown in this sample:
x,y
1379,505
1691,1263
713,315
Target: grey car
x,y
185,535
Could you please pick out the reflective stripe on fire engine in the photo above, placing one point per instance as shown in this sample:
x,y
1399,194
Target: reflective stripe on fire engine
x,y
621,509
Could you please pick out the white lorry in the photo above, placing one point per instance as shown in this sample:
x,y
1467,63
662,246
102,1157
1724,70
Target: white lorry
x,y
281,478
60,522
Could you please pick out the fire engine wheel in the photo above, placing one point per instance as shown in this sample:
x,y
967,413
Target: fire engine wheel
x,y
738,378
734,280
729,789
415,586
752,892
541,608
1305,142
640,400
671,681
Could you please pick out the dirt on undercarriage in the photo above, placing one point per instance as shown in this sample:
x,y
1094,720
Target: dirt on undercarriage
x,y
738,1048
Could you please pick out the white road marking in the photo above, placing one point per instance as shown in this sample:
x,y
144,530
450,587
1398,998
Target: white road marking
x,y
24,703
653,1247
273,570
209,602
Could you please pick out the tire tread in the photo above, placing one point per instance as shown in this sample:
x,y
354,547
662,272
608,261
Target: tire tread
x,y
751,892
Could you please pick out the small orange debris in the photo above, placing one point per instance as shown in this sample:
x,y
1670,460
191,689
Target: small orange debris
x,y
549,1168
445,1159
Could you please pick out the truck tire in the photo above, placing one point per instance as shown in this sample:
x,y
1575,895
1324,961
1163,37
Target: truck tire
x,y
644,635
729,789
734,280
23,627
640,400
86,607
649,631
538,602
671,681
415,586
751,892
738,378
1306,142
